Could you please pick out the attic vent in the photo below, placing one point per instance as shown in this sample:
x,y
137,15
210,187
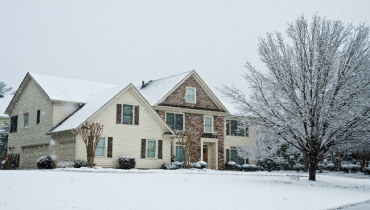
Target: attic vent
x,y
143,84
1,96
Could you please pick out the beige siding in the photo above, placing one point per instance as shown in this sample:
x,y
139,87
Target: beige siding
x,y
64,146
127,138
32,99
61,110
239,141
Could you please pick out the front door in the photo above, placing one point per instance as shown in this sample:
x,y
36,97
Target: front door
x,y
205,153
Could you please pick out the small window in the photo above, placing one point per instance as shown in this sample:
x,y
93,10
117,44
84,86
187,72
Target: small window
x,y
175,121
38,117
150,153
208,124
127,114
100,147
25,120
190,95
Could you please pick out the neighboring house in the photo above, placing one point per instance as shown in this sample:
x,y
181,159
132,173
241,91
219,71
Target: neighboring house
x,y
4,102
138,121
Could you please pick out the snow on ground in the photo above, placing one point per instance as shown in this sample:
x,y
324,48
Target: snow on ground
x,y
184,189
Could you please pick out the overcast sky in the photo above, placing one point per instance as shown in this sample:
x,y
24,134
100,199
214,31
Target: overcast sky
x,y
124,42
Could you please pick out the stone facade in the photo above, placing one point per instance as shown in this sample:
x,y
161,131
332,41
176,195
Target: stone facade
x,y
177,97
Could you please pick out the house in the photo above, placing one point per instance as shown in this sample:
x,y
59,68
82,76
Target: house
x,y
139,121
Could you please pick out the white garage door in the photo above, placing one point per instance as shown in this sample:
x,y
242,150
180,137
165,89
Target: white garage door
x,y
31,154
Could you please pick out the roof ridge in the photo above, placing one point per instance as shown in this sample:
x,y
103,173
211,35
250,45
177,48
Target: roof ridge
x,y
32,73
172,76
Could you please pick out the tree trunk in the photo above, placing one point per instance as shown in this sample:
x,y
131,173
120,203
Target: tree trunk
x,y
306,161
90,152
312,167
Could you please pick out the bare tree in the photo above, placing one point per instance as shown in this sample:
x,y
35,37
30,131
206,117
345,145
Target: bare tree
x,y
3,90
90,133
188,141
315,92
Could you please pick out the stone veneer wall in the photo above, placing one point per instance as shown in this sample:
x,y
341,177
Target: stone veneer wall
x,y
177,97
218,126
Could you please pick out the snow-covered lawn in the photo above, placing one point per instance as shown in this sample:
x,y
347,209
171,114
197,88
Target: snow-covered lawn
x,y
186,189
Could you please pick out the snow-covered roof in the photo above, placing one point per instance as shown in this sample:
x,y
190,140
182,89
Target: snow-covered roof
x,y
4,103
94,103
154,90
66,89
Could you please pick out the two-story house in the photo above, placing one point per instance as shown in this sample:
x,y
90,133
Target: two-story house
x,y
138,121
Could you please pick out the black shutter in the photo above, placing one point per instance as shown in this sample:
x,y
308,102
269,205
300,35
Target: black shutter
x,y
247,131
38,117
119,114
136,115
13,124
227,155
227,127
143,145
160,146
110,147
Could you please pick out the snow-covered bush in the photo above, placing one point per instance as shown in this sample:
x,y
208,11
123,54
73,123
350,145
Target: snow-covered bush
x,y
298,167
172,166
350,168
269,164
367,170
231,165
247,167
330,167
126,162
199,165
45,163
79,163
66,164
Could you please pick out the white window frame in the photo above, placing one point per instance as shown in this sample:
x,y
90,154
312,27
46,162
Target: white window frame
x,y
24,120
105,147
195,95
183,118
204,123
156,149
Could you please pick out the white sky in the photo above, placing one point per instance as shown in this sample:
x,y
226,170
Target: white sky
x,y
125,42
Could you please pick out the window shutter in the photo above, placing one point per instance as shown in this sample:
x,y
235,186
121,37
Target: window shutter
x,y
227,127
160,146
143,144
247,131
136,115
38,117
119,114
227,155
13,124
110,147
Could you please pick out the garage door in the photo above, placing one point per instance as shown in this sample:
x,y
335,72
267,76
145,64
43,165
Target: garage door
x,y
32,154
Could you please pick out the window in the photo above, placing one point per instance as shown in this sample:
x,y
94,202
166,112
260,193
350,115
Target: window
x,y
100,148
207,124
150,153
236,128
127,114
190,95
179,156
25,120
175,121
13,124
38,117
235,157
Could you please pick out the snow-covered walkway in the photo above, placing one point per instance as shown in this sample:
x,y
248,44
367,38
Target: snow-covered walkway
x,y
186,189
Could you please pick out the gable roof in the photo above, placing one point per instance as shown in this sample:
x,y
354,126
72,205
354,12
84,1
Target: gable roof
x,y
156,91
66,89
4,102
95,103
